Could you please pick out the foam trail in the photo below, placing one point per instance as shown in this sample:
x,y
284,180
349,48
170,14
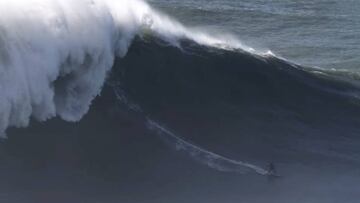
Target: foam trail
x,y
204,156
121,96
211,159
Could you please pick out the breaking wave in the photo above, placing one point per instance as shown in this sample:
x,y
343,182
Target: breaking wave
x,y
57,56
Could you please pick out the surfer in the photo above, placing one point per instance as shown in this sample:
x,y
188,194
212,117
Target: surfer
x,y
272,173
271,169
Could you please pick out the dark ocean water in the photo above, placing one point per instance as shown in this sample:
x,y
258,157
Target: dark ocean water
x,y
190,122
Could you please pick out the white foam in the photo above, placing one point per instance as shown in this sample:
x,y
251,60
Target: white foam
x,y
55,54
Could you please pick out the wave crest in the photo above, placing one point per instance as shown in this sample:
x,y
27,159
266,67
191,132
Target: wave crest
x,y
55,55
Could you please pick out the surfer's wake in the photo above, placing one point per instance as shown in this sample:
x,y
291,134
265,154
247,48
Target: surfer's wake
x,y
204,156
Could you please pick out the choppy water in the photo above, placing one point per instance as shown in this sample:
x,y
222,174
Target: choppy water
x,y
323,33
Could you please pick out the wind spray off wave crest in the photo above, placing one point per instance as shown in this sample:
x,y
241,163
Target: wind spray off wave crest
x,y
55,54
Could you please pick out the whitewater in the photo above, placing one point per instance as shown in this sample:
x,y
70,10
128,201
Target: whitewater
x,y
55,55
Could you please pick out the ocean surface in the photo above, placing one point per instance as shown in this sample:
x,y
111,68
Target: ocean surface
x,y
323,33
179,101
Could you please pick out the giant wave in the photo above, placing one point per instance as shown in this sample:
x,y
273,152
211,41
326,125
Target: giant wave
x,y
56,57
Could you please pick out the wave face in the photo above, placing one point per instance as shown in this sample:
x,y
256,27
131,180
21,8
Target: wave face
x,y
260,97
